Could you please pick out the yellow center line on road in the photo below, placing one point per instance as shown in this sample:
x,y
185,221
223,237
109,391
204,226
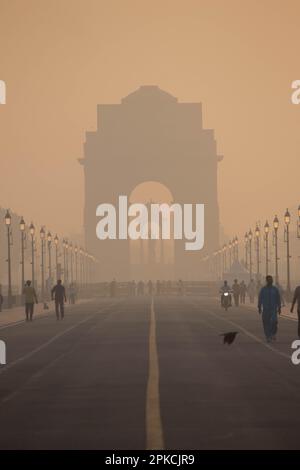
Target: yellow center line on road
x,y
154,432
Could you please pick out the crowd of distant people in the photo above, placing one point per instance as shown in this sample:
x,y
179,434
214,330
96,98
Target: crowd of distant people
x,y
139,288
270,299
240,291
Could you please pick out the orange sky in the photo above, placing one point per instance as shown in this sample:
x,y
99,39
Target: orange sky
x,y
60,58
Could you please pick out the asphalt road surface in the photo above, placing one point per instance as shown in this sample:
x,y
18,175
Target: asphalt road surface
x,y
132,373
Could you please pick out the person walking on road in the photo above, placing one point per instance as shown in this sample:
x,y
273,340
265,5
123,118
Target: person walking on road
x,y
30,297
281,292
296,298
251,291
72,293
59,294
180,287
236,292
269,305
243,290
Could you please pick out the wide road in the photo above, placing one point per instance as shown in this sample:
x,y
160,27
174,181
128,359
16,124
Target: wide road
x,y
137,373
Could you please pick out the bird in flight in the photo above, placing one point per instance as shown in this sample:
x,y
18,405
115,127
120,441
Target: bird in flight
x,y
229,337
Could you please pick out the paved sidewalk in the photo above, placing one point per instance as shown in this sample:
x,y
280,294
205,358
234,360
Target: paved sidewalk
x,y
17,314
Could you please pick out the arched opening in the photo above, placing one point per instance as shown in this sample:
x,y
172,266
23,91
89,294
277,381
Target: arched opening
x,y
152,259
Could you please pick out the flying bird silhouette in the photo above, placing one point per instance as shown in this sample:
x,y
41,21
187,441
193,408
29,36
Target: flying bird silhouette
x,y
229,337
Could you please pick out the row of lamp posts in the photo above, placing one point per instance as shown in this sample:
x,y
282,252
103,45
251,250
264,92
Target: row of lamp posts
x,y
248,247
250,237
86,260
257,234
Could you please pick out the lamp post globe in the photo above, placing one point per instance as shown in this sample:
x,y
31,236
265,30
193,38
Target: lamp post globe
x,y
287,220
275,227
7,220
42,237
32,234
266,230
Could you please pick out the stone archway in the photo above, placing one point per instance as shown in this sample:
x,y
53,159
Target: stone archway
x,y
150,137
151,259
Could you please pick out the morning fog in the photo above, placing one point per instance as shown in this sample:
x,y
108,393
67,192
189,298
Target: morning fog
x,y
152,221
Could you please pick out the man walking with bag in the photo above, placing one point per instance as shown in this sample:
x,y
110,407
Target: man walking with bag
x,y
30,297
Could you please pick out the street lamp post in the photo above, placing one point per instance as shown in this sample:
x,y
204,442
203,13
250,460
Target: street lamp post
x,y
88,276
257,238
42,236
8,226
71,261
287,219
246,250
56,255
90,269
236,242
250,252
80,267
84,266
67,262
49,240
65,265
267,229
32,232
275,226
22,229
230,254
76,271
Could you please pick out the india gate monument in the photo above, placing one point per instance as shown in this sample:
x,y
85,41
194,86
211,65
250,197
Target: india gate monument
x,y
153,149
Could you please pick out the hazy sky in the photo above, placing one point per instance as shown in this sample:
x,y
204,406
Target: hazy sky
x,y
60,58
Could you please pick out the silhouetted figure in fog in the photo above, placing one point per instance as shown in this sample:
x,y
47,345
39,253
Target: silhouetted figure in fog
x,y
180,287
113,288
72,293
236,292
150,287
58,294
258,287
133,288
281,292
243,290
269,304
140,288
251,291
30,298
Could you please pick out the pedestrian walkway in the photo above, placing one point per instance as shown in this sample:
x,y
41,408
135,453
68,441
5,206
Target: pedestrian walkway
x,y
16,315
